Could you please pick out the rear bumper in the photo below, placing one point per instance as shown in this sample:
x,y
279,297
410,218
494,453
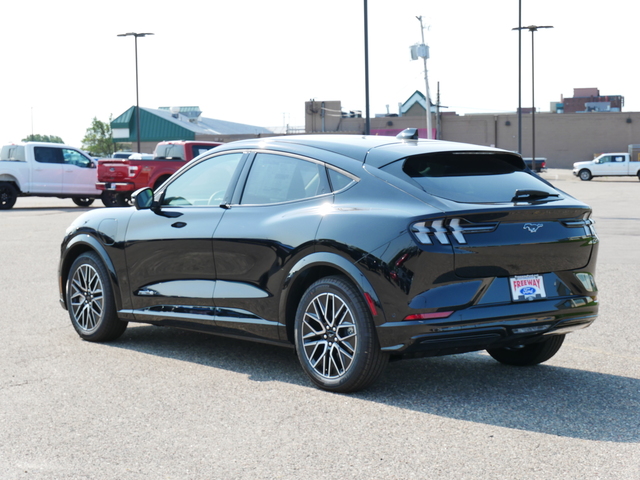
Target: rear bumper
x,y
116,186
488,326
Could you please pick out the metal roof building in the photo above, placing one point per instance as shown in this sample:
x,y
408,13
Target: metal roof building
x,y
178,123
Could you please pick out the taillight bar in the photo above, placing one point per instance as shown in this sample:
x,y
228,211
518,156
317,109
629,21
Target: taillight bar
x,y
424,231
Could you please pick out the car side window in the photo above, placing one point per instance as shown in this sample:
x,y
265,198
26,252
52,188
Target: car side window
x,y
280,178
73,157
338,180
48,155
204,184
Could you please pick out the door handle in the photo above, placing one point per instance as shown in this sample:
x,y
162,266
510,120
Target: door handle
x,y
178,224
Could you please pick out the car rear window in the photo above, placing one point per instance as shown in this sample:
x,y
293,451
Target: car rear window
x,y
469,177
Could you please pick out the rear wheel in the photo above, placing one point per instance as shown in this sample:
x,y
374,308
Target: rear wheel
x,y
90,300
116,199
585,175
83,201
335,337
8,195
531,354
159,182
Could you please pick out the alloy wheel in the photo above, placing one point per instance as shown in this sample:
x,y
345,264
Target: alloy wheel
x,y
329,335
86,297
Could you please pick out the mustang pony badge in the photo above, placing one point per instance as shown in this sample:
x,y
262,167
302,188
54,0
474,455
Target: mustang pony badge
x,y
532,227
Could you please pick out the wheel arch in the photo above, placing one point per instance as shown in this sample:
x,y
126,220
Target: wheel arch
x,y
7,178
77,246
319,265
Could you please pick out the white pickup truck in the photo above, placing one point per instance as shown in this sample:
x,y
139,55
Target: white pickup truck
x,y
46,170
610,164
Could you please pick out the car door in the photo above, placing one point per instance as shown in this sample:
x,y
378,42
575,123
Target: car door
x,y
46,172
169,250
269,226
79,175
619,165
605,166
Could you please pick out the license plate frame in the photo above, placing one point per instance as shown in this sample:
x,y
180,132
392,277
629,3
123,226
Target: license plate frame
x,y
526,288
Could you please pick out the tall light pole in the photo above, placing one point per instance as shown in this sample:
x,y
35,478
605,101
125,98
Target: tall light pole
x,y
135,36
367,121
520,77
423,51
533,29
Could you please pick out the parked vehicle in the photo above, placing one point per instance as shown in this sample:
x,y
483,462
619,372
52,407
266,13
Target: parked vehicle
x,y
610,165
541,164
352,249
46,170
119,178
122,154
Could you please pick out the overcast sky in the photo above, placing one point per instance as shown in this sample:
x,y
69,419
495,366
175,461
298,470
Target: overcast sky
x,y
258,61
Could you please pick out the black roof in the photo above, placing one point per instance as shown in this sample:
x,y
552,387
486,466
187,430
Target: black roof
x,y
377,150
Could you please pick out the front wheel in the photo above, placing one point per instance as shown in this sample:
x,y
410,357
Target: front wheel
x,y
335,337
83,201
585,175
8,196
531,354
90,300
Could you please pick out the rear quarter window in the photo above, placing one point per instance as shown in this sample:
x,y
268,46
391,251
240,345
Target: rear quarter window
x,y
469,177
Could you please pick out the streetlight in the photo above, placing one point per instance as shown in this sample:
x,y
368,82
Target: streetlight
x,y
367,121
422,51
135,36
533,29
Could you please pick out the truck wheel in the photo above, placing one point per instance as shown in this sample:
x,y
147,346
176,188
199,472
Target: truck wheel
x,y
531,354
123,199
8,195
83,201
113,199
585,175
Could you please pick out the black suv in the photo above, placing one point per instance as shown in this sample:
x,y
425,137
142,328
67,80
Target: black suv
x,y
352,249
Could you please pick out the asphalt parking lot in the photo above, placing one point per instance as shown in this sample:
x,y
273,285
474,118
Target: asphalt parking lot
x,y
168,404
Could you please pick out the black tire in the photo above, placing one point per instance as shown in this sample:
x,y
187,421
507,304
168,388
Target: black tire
x,y
90,300
8,195
531,354
83,201
585,175
340,353
115,199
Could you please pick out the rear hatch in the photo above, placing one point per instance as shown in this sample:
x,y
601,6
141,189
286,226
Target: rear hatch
x,y
499,219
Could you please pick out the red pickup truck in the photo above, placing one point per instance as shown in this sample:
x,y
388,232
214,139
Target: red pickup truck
x,y
119,177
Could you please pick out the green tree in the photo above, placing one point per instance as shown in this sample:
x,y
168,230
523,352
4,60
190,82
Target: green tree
x,y
42,138
98,139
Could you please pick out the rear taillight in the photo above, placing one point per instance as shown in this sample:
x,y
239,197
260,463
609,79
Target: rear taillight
x,y
133,170
439,229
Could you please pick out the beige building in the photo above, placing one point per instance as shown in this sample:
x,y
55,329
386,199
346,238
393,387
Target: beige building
x,y
561,138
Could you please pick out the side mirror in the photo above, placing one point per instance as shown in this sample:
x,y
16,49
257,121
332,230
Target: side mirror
x,y
142,198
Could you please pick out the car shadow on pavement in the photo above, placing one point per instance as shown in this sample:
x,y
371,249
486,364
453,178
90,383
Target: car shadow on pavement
x,y
470,387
